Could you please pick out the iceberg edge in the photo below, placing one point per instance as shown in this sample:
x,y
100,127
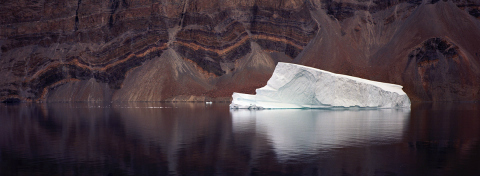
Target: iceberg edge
x,y
295,86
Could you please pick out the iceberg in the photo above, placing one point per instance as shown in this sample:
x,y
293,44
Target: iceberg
x,y
294,86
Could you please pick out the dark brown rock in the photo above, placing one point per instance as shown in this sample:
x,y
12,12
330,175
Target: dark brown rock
x,y
383,44
443,71
136,50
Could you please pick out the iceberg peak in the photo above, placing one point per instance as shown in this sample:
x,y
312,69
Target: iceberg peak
x,y
298,86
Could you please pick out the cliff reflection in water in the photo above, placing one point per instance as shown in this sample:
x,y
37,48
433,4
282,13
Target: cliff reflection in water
x,y
118,139
199,139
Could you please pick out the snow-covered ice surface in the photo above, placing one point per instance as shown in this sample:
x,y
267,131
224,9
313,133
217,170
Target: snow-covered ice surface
x,y
298,86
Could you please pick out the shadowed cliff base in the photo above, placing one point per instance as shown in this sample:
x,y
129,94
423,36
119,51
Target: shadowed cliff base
x,y
196,51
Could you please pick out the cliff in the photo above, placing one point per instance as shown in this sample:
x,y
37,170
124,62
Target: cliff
x,y
134,50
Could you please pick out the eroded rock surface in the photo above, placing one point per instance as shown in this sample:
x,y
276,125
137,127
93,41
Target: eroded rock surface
x,y
51,45
133,50
427,46
443,71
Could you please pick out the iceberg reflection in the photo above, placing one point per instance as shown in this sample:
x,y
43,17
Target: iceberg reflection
x,y
294,132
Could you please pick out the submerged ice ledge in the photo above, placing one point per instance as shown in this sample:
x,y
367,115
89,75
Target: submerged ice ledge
x,y
295,86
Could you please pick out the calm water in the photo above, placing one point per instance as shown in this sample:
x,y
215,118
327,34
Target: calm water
x,y
200,139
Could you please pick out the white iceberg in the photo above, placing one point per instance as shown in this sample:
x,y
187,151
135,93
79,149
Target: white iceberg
x,y
298,86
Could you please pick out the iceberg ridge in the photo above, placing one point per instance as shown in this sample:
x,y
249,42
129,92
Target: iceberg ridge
x,y
297,86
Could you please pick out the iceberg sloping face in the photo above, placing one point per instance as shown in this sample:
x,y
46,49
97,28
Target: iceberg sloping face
x,y
297,86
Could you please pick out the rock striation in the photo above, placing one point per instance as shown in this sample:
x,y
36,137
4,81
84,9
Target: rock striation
x,y
134,50
380,40
47,47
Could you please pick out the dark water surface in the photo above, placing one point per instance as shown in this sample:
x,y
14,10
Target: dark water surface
x,y
201,139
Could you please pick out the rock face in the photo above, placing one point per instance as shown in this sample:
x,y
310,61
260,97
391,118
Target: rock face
x,y
443,71
133,50
297,86
380,40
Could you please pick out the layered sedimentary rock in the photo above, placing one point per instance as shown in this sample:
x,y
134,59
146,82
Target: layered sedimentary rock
x,y
134,50
184,48
380,40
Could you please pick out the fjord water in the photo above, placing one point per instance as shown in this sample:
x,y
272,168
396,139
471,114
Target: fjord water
x,y
211,139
